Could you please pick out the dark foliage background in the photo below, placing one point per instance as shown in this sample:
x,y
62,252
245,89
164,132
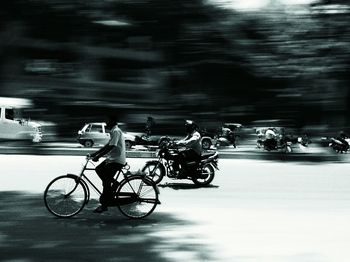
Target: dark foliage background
x,y
81,60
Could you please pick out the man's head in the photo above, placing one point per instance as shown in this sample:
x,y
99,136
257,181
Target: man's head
x,y
112,121
190,126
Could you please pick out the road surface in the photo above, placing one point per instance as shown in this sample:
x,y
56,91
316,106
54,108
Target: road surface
x,y
254,211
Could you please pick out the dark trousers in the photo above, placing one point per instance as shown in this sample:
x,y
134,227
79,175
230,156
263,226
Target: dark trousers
x,y
190,155
106,172
270,144
185,156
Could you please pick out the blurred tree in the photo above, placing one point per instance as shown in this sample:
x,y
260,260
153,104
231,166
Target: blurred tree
x,y
279,62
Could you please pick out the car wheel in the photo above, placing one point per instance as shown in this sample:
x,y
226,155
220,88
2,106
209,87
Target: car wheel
x,y
88,143
206,144
128,144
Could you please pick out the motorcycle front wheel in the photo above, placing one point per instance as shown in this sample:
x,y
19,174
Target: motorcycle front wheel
x,y
206,176
154,171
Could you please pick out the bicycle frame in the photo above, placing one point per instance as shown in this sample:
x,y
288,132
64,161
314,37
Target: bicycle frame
x,y
86,181
135,195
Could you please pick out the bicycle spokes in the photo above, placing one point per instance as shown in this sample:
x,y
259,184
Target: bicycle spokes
x,y
65,197
141,203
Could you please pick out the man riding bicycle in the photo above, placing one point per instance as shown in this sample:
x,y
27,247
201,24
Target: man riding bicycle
x,y
115,154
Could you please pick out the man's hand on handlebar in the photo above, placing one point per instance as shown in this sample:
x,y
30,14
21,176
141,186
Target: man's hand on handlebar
x,y
179,143
92,157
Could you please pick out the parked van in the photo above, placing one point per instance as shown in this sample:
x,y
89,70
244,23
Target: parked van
x,y
12,126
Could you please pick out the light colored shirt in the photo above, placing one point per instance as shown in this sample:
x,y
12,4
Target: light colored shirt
x,y
270,134
193,141
117,140
225,131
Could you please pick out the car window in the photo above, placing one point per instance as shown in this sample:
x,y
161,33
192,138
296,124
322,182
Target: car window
x,y
9,114
96,128
87,129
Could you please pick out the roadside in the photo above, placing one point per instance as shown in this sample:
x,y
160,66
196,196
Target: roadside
x,y
313,153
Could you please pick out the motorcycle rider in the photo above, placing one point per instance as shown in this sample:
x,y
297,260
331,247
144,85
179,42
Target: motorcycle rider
x,y
229,134
270,139
342,136
192,142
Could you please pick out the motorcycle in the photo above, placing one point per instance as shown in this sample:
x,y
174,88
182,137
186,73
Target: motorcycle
x,y
281,144
226,140
200,172
284,143
339,146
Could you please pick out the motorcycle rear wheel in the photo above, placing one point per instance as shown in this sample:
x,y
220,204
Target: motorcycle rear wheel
x,y
154,171
206,176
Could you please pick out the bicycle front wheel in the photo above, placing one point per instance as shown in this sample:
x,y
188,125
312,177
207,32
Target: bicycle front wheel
x,y
137,197
65,196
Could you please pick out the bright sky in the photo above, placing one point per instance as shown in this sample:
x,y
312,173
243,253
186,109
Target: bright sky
x,y
257,4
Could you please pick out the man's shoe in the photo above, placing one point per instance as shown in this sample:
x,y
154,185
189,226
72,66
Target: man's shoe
x,y
100,209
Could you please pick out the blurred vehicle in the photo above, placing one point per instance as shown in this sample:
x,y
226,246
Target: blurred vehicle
x,y
208,139
97,134
164,132
325,141
224,136
228,133
283,141
341,143
152,140
13,127
339,146
277,143
200,172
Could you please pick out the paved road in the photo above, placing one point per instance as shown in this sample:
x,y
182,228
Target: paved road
x,y
254,211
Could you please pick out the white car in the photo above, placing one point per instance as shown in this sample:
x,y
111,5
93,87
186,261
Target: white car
x,y
96,134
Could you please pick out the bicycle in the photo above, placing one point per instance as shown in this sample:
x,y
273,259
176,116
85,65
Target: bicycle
x,y
136,196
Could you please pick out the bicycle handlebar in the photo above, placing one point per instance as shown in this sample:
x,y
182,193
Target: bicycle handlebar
x,y
88,156
89,159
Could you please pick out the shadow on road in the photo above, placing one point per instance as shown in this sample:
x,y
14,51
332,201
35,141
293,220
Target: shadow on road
x,y
178,186
29,233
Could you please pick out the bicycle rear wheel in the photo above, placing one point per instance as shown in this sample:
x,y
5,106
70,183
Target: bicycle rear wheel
x,y
65,196
137,197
